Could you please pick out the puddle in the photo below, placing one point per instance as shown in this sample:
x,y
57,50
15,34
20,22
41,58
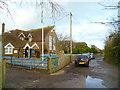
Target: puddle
x,y
94,83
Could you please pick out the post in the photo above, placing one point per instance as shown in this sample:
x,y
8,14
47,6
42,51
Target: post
x,y
70,33
0,65
118,52
49,64
3,62
70,37
42,44
42,31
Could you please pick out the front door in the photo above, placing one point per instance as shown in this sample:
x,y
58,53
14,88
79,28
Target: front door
x,y
27,52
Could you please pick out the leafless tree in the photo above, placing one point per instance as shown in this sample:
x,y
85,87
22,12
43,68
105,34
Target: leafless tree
x,y
63,42
43,7
114,22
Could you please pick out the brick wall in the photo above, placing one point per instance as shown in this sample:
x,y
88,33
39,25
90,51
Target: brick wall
x,y
63,60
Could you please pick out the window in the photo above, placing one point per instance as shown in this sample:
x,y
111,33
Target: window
x,y
22,36
30,39
9,49
54,44
50,42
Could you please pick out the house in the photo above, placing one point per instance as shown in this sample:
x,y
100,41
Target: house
x,y
79,43
28,44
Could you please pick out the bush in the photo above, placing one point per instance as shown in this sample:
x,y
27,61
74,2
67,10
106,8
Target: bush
x,y
112,48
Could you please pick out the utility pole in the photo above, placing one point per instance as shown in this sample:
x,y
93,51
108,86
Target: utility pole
x,y
3,64
42,32
42,43
70,33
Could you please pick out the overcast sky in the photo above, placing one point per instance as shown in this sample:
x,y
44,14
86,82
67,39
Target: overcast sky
x,y
27,17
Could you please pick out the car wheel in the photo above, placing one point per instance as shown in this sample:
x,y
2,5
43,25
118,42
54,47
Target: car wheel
x,y
87,64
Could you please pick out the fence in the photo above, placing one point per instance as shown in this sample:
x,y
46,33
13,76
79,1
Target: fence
x,y
51,63
41,63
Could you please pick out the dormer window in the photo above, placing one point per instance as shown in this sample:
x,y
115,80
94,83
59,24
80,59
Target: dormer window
x,y
9,48
53,30
29,37
22,36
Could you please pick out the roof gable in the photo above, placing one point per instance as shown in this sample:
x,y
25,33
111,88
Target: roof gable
x,y
27,45
8,45
21,35
35,45
29,35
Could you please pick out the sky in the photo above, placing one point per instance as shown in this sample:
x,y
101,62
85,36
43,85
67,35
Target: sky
x,y
26,16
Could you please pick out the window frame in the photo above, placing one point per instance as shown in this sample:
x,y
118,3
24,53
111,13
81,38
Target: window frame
x,y
50,43
9,49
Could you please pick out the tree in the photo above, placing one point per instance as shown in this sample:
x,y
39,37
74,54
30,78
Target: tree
x,y
43,7
63,43
81,49
112,43
93,50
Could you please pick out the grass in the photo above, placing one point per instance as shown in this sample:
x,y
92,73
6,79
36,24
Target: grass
x,y
111,61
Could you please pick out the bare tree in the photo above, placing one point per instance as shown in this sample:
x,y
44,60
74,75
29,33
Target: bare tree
x,y
63,42
114,22
43,7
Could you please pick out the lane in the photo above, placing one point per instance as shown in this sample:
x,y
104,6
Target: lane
x,y
99,74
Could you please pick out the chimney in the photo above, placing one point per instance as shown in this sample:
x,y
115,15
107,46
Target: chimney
x,y
3,28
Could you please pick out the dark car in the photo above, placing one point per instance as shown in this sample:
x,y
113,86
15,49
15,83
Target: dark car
x,y
82,60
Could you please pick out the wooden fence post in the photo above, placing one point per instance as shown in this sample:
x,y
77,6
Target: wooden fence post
x,y
70,58
0,66
3,61
2,69
49,64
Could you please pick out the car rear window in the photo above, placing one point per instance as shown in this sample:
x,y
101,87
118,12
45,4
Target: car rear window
x,y
81,57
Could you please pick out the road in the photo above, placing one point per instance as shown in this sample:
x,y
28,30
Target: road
x,y
99,74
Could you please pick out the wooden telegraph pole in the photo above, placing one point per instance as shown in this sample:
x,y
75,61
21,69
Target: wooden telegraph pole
x,y
3,62
70,33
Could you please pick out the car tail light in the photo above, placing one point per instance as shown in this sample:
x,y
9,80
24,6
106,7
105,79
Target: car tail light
x,y
76,59
86,60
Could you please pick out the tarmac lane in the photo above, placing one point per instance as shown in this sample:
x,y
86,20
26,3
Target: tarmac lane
x,y
99,74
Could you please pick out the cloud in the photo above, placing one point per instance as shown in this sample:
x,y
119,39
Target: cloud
x,y
86,32
26,18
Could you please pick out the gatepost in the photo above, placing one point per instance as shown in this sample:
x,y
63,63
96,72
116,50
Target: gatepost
x,y
49,64
2,69
0,65
2,62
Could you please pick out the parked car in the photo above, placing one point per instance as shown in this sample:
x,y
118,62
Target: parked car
x,y
92,56
82,60
88,55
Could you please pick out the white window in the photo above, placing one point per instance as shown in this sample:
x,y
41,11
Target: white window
x,y
9,49
50,42
30,39
54,44
22,36
29,35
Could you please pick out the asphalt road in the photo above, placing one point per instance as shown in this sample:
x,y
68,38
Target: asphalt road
x,y
99,74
